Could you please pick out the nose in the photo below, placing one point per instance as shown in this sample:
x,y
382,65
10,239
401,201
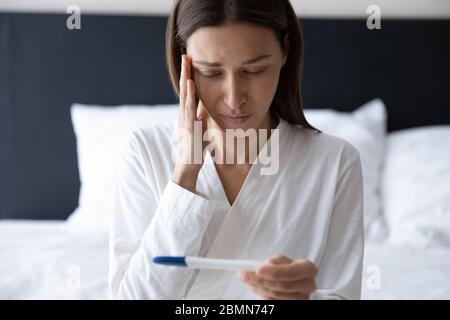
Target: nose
x,y
235,95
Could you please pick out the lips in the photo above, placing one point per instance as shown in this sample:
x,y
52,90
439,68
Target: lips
x,y
236,119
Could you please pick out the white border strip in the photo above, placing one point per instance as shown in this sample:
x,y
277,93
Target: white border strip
x,y
304,8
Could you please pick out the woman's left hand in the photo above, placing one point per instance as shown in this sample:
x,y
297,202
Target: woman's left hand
x,y
282,278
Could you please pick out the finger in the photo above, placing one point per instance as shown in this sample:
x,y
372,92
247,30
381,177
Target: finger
x,y
183,85
279,259
302,286
183,88
273,294
296,270
190,92
191,108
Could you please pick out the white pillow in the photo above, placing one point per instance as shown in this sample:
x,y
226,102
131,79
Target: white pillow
x,y
416,186
365,129
101,132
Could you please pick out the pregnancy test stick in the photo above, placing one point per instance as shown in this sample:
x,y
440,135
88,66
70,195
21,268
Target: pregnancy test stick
x,y
208,263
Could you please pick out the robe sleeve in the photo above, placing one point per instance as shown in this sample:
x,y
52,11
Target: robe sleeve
x,y
340,268
145,225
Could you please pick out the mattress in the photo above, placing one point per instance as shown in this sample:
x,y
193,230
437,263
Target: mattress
x,y
406,272
51,260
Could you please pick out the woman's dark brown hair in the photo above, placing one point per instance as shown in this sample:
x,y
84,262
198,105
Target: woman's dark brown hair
x,y
189,15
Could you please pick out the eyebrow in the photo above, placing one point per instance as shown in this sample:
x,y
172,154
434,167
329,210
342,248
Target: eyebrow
x,y
250,61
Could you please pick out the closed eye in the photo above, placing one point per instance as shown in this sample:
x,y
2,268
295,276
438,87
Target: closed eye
x,y
248,72
254,71
210,75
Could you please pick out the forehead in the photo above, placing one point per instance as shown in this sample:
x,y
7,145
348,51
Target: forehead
x,y
231,42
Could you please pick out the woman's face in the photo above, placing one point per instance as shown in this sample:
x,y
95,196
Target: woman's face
x,y
236,70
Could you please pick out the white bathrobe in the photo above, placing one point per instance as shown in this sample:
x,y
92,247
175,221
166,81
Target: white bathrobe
x,y
312,208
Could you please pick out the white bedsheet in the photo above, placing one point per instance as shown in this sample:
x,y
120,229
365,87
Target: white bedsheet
x,y
406,272
50,260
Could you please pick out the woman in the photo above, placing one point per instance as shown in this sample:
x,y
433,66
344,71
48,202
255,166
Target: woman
x,y
236,64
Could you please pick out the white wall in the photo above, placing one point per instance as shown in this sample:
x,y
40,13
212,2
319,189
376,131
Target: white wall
x,y
305,8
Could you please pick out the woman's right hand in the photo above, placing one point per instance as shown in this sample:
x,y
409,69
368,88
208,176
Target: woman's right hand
x,y
187,164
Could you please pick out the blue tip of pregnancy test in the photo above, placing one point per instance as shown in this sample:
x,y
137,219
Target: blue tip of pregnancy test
x,y
170,261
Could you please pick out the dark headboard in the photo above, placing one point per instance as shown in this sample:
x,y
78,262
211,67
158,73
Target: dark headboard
x,y
44,68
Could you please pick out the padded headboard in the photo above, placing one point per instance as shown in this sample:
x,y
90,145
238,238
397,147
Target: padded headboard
x,y
44,68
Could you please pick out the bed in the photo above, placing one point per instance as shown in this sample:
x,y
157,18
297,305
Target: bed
x,y
113,61
45,260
